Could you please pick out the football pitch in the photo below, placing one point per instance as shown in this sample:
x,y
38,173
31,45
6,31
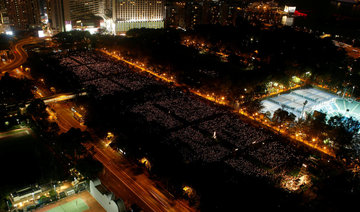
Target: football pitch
x,y
77,205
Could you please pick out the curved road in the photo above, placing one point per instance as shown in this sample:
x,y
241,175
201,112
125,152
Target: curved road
x,y
20,55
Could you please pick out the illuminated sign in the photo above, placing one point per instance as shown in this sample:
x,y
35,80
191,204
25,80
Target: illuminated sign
x,y
68,26
289,9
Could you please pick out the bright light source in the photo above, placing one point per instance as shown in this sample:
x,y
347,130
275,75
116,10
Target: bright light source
x,y
92,30
11,33
289,9
68,26
41,34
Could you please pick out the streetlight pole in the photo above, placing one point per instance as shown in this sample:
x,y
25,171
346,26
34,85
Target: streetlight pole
x,y
302,111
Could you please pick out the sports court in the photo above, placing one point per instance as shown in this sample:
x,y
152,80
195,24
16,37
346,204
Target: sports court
x,y
307,100
75,203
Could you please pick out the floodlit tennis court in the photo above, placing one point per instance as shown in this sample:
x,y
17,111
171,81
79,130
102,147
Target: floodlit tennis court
x,y
76,205
301,101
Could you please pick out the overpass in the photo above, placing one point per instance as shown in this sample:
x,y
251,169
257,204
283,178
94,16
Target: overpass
x,y
52,99
61,97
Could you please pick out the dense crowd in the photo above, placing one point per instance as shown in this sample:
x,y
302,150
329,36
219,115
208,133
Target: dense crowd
x,y
67,61
154,114
275,154
200,130
187,108
246,167
106,76
84,74
104,86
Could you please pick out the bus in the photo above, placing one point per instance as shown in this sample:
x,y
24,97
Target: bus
x,y
77,115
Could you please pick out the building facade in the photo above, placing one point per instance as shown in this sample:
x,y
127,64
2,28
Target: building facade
x,y
188,14
106,198
22,15
129,14
56,14
65,15
82,9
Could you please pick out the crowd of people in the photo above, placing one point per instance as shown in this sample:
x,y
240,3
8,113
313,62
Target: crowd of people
x,y
67,61
246,168
84,74
230,128
186,107
275,154
107,76
154,114
200,130
104,87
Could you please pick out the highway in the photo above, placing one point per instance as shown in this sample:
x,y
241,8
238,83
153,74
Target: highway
x,y
147,195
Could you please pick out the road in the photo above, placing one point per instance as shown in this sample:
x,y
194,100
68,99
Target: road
x,y
20,55
64,117
15,133
350,50
147,195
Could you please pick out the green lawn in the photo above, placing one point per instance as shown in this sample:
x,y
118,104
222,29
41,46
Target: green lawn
x,y
77,205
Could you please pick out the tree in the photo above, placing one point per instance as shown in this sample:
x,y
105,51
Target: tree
x,y
13,90
254,106
342,131
53,194
37,108
71,142
4,41
280,115
89,167
53,128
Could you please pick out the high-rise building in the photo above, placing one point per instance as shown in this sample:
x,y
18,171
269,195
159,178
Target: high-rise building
x,y
175,14
129,14
188,13
56,15
117,16
64,15
23,14
82,9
